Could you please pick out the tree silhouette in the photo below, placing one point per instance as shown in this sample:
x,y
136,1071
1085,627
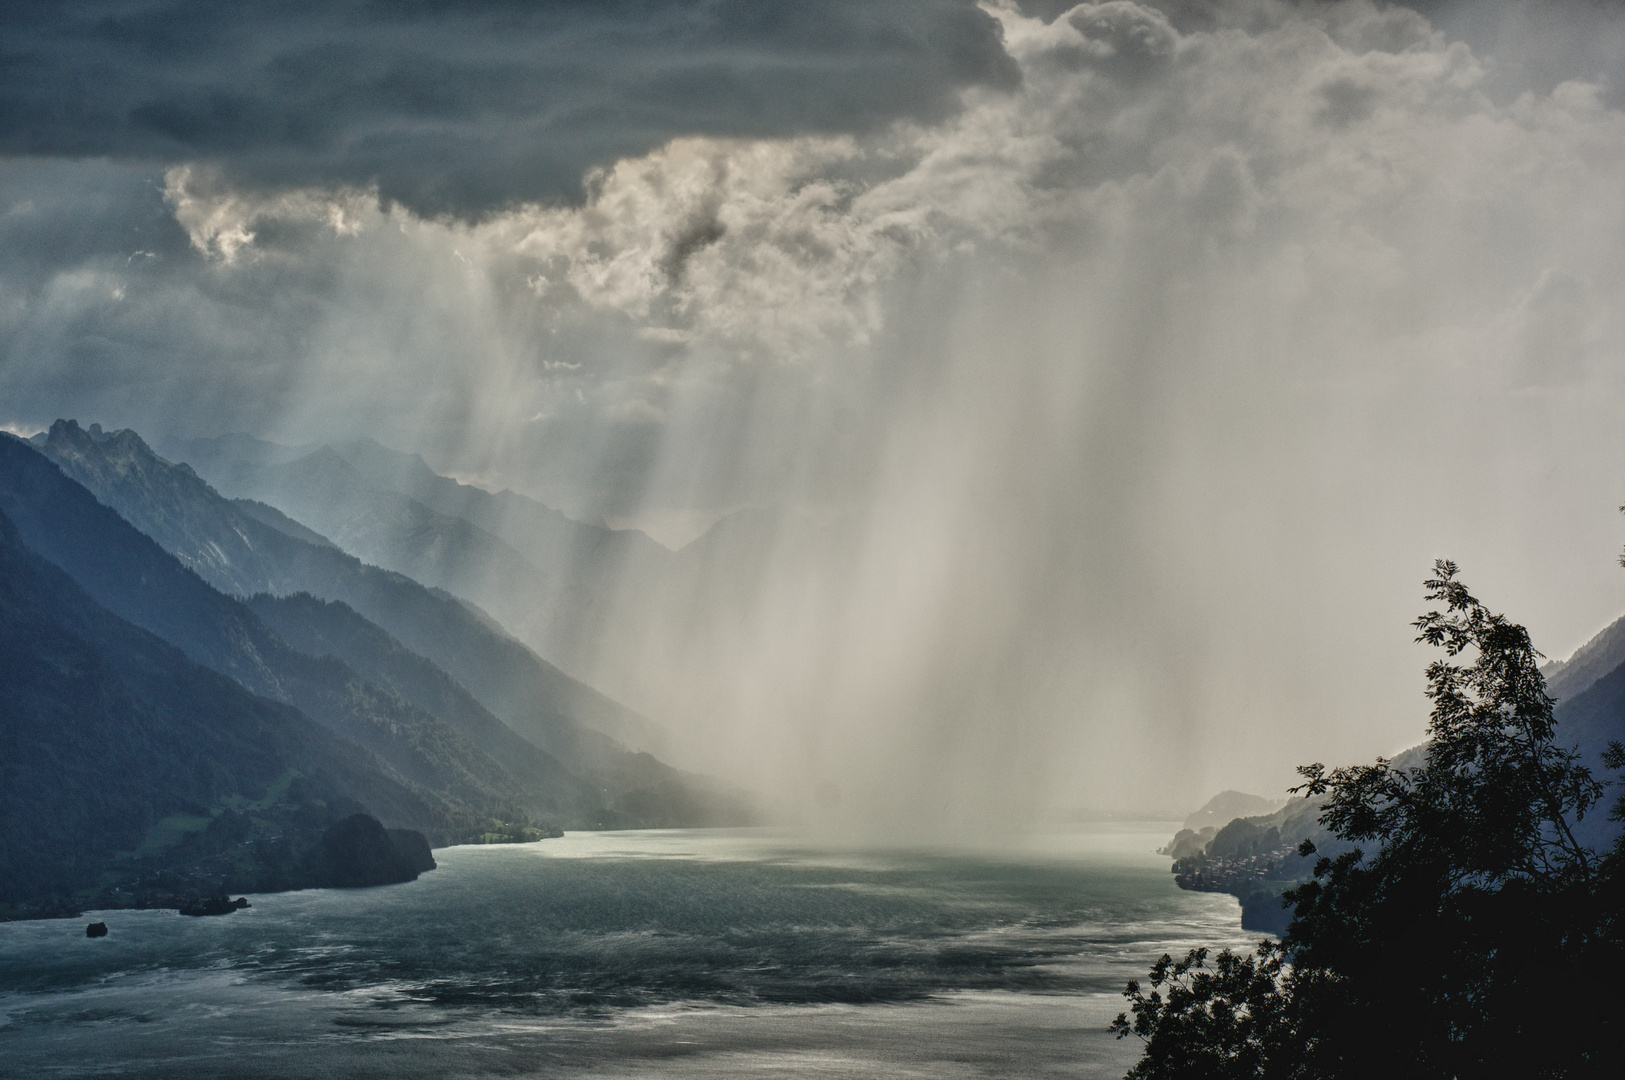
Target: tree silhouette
x,y
1478,937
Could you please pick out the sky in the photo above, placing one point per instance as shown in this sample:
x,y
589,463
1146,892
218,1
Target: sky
x,y
1144,356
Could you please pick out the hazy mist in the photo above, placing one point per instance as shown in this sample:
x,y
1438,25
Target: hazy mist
x,y
1100,382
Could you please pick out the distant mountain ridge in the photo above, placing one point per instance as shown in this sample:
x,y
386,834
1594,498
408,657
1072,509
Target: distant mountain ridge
x,y
499,671
1227,806
1252,855
1590,662
266,514
531,527
610,606
387,528
239,552
550,580
133,577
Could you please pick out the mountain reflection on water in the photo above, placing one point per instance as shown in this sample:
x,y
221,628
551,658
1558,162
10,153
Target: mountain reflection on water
x,y
672,953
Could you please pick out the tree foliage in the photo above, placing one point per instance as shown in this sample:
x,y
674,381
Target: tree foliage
x,y
1467,934
1236,1019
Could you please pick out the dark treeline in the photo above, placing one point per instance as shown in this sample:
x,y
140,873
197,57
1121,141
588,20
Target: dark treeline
x,y
1463,931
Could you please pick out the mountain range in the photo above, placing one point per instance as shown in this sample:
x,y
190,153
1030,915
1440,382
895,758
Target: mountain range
x,y
243,548
549,579
1236,844
442,722
129,772
351,610
611,606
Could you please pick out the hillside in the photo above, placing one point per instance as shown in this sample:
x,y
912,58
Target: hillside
x,y
551,581
332,628
1589,721
1254,858
1227,806
242,554
137,580
1590,662
131,776
386,528
612,606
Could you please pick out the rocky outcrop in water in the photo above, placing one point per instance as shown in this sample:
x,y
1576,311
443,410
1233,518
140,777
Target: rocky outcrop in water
x,y
358,851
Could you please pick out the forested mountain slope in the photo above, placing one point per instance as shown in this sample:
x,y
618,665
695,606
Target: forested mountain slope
x,y
332,628
241,553
137,580
127,770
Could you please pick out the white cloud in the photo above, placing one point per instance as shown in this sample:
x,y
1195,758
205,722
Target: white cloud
x,y
221,222
1362,131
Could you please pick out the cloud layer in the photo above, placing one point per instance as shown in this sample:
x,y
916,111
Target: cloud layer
x,y
460,108
1143,356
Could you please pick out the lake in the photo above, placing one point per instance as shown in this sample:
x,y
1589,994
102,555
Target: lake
x,y
680,953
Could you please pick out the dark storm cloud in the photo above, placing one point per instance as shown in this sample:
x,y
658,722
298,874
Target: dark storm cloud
x,y
1533,44
1105,370
58,214
461,108
107,309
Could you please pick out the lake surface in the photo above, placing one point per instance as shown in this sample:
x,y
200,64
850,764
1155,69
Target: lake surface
x,y
704,953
